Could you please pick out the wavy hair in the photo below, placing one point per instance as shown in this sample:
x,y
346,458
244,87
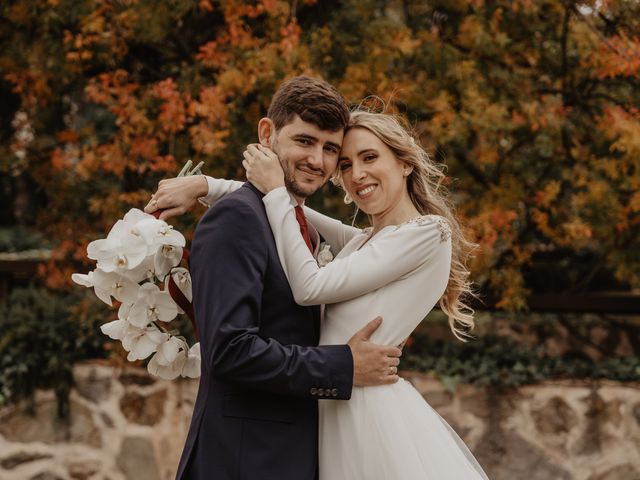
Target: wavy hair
x,y
428,194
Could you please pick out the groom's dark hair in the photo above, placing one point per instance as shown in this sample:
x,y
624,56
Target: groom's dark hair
x,y
314,101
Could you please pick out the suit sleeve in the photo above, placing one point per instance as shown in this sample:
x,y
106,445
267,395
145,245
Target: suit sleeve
x,y
228,266
380,262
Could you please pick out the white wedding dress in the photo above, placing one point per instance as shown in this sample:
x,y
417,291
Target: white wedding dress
x,y
388,432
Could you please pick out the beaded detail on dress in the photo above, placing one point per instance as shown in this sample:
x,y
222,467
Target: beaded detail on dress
x,y
443,225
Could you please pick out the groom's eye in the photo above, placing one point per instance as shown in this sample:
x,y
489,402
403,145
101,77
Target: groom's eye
x,y
305,141
331,149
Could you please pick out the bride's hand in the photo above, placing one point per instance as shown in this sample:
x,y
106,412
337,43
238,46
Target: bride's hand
x,y
263,168
175,196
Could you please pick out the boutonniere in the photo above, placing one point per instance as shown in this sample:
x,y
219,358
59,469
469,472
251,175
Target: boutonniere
x,y
324,254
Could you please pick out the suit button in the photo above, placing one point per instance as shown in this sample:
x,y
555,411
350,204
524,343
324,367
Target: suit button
x,y
334,392
313,391
321,392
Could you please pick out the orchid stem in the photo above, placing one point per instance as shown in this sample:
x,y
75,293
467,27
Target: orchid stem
x,y
185,169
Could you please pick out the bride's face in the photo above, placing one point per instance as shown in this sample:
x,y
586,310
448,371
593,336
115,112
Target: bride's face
x,y
371,173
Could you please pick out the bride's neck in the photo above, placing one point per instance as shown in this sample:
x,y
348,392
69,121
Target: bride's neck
x,y
396,214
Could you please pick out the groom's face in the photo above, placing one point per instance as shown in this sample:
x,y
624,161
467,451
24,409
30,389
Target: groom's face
x,y
308,155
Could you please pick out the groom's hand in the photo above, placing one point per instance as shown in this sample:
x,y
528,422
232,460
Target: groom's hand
x,y
373,364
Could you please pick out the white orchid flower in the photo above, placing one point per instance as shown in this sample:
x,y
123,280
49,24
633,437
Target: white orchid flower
x,y
120,251
166,257
158,232
144,271
168,372
168,351
151,305
86,280
108,284
115,285
142,342
135,215
182,277
191,367
117,329
124,310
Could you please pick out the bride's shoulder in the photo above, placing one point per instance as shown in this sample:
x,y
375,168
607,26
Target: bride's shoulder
x,y
431,221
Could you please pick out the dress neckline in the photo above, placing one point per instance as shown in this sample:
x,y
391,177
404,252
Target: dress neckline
x,y
370,235
419,219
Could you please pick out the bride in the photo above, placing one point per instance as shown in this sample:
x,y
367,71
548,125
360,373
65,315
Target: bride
x,y
411,258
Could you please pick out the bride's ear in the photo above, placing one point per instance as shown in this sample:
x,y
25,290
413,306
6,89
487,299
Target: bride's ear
x,y
266,132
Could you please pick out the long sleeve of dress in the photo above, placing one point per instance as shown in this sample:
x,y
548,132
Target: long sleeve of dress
x,y
218,188
382,260
336,233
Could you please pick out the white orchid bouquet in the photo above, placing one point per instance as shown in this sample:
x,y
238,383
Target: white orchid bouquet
x,y
140,252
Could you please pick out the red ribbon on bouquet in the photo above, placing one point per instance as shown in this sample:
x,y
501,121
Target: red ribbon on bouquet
x,y
175,292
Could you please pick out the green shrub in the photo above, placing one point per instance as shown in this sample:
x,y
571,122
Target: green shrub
x,y
19,238
41,336
497,361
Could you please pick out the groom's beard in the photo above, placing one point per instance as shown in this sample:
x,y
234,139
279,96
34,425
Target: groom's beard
x,y
289,177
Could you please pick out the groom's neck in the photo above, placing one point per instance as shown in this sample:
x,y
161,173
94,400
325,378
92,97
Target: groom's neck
x,y
298,199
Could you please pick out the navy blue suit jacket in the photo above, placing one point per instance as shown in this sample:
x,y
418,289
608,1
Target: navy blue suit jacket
x,y
255,415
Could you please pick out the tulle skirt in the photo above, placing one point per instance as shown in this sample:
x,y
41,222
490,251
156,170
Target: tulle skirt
x,y
390,433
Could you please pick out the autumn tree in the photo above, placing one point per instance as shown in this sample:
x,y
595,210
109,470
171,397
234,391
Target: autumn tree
x,y
533,107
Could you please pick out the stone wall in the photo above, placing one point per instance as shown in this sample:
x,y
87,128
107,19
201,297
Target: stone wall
x,y
127,425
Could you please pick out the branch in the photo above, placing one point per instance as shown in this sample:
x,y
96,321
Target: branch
x,y
563,43
475,172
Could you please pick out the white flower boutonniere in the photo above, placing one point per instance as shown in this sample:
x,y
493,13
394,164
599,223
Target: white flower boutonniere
x,y
324,254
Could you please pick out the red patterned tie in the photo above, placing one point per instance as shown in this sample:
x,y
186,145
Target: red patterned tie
x,y
304,228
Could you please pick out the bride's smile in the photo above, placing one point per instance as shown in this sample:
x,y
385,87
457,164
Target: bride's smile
x,y
375,178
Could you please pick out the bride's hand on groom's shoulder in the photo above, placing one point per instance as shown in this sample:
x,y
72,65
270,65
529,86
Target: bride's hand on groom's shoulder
x,y
263,168
175,196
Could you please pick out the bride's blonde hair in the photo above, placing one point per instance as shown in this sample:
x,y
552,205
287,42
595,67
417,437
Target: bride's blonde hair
x,y
428,194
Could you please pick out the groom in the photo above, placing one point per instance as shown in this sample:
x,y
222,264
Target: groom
x,y
256,414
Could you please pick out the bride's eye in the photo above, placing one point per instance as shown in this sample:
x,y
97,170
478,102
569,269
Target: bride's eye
x,y
343,166
369,158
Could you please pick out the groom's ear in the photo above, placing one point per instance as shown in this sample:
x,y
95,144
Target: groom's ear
x,y
266,131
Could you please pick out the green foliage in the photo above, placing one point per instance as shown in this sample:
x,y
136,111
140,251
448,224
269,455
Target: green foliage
x,y
42,336
18,239
500,362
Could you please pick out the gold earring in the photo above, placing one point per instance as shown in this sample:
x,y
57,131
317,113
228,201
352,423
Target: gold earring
x,y
347,199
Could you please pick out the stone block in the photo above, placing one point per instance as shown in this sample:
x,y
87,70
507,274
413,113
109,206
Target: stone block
x,y
143,409
505,455
45,426
46,476
555,417
140,378
93,382
83,470
619,472
636,413
12,461
137,460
